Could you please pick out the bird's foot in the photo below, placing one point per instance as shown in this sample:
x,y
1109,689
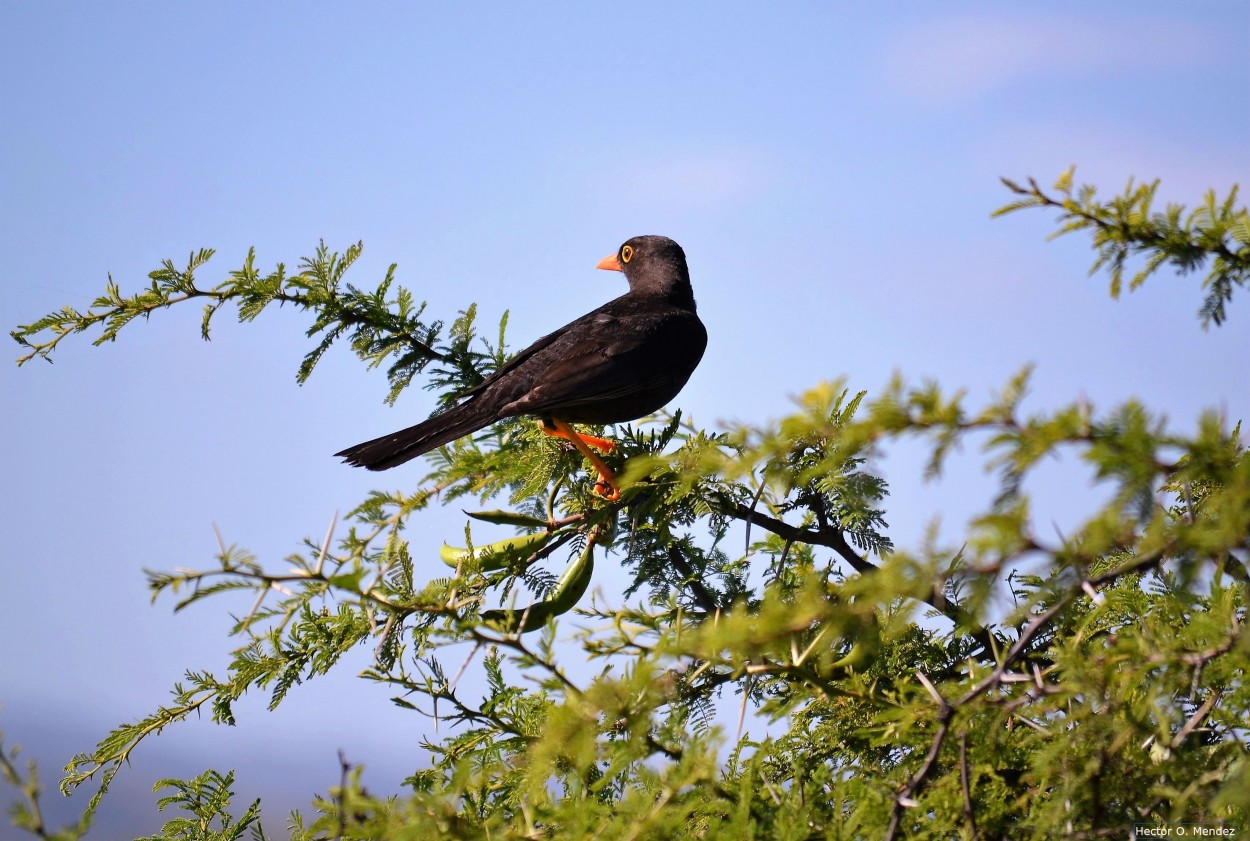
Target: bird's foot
x,y
605,489
559,429
606,486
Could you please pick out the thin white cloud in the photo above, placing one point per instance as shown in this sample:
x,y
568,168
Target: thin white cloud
x,y
949,60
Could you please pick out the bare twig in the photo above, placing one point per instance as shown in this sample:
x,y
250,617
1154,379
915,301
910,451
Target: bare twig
x,y
905,800
833,538
1196,719
746,549
701,593
344,769
970,817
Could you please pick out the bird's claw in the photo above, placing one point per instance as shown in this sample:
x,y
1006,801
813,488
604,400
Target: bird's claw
x,y
606,490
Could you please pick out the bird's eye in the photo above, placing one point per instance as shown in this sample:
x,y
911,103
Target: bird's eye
x,y
627,252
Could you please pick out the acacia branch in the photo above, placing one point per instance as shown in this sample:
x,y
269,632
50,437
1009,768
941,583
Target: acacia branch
x,y
904,799
701,593
833,538
970,816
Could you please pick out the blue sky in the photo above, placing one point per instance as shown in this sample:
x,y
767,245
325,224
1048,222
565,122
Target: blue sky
x,y
829,169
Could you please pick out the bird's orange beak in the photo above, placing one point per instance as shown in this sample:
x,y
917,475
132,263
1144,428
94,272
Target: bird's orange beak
x,y
610,263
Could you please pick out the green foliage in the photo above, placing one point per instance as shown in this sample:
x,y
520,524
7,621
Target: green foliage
x,y
206,800
378,328
1128,225
25,814
1010,687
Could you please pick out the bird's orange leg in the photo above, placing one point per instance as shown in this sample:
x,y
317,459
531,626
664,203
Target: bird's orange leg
x,y
560,429
606,486
563,430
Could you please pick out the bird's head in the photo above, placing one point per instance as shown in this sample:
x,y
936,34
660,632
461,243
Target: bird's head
x,y
653,265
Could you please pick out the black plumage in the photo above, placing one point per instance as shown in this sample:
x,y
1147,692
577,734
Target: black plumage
x,y
617,363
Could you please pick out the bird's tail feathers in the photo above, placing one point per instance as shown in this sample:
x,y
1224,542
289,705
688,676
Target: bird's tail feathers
x,y
398,447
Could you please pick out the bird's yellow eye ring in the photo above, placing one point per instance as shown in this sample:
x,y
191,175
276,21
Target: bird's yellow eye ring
x,y
627,252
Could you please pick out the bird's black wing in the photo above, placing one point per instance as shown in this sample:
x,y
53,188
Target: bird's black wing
x,y
619,363
539,345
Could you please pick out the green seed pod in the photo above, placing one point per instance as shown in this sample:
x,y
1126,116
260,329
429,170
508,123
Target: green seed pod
x,y
508,621
568,592
499,554
574,581
508,518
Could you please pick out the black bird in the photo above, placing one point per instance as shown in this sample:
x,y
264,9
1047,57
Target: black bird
x,y
617,363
